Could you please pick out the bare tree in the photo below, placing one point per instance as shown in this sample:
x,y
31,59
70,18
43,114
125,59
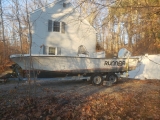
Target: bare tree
x,y
2,29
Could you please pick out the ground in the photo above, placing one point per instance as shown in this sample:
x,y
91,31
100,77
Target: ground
x,y
79,100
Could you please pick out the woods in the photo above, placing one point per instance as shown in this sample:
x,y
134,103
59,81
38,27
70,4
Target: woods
x,y
133,24
137,25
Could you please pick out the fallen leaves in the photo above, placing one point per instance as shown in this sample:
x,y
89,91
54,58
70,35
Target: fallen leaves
x,y
130,105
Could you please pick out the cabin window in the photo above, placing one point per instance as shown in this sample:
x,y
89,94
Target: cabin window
x,y
62,27
52,50
56,26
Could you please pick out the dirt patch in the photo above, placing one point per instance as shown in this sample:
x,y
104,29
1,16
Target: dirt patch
x,y
80,100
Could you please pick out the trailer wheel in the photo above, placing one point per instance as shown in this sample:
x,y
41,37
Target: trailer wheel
x,y
112,78
97,79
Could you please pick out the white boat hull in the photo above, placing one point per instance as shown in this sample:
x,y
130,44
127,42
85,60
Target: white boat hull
x,y
72,64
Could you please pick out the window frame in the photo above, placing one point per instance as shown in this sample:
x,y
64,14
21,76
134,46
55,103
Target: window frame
x,y
50,51
56,26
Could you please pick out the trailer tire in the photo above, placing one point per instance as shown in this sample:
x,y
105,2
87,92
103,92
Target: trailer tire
x,y
112,78
97,79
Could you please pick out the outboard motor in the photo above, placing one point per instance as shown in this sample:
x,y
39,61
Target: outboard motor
x,y
124,53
